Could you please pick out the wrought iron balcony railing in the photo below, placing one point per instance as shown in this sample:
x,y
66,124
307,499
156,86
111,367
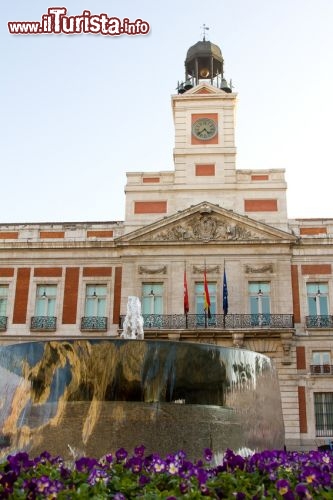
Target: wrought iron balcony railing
x,y
43,324
321,369
3,323
323,321
325,431
94,323
219,321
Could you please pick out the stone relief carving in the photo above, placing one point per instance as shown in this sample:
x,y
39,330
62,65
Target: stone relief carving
x,y
266,268
152,270
209,269
203,227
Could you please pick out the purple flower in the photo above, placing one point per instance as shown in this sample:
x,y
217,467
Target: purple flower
x,y
139,451
85,464
143,480
208,454
310,475
159,465
204,489
98,475
302,491
42,484
202,476
121,454
119,496
173,468
183,487
283,486
135,464
7,481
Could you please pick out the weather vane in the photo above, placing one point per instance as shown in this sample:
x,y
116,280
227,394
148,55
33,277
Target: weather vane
x,y
204,29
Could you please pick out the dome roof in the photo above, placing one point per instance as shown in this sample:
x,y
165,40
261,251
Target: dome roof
x,y
204,49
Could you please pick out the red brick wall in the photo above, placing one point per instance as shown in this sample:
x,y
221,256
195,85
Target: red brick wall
x,y
303,424
316,268
6,272
205,170
9,235
48,272
262,177
300,358
312,230
97,271
117,295
295,293
100,234
260,205
21,295
70,295
150,207
152,180
52,234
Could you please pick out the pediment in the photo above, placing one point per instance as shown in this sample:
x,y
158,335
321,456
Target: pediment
x,y
205,223
204,88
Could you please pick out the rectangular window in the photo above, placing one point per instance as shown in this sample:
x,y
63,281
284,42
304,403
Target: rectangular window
x,y
321,362
323,405
152,298
95,303
3,299
152,305
260,302
317,294
46,300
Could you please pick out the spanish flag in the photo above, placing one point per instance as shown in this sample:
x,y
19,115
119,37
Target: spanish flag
x,y
206,296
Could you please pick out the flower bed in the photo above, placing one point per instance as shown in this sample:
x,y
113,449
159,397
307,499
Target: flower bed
x,y
268,474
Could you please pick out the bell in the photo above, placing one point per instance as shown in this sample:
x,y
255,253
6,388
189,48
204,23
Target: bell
x,y
204,73
188,85
224,86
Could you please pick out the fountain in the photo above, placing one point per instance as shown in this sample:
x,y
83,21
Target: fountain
x,y
95,396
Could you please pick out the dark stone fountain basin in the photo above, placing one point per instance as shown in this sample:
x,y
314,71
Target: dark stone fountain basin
x,y
95,396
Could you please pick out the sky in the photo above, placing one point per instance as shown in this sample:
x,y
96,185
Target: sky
x,y
79,111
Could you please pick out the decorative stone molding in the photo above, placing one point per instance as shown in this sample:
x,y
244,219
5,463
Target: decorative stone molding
x,y
262,345
152,270
266,268
205,227
238,339
209,269
286,341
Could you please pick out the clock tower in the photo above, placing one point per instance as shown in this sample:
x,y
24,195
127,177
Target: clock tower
x,y
204,118
205,155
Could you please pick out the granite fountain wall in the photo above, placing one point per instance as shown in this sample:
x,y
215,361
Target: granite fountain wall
x,y
95,396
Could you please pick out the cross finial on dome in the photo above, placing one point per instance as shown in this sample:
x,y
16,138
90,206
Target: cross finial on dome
x,y
204,29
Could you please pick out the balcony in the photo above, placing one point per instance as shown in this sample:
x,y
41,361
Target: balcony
x,y
319,321
216,321
3,323
94,324
321,369
43,324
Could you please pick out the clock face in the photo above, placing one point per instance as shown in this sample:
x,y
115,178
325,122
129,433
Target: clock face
x,y
204,128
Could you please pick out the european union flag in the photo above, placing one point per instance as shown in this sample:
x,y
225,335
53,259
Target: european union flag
x,y
225,294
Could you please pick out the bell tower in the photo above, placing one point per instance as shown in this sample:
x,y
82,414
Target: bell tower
x,y
204,119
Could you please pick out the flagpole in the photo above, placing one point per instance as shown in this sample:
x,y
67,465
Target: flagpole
x,y
186,302
223,293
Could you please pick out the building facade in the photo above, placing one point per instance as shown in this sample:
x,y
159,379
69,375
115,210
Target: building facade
x,y
193,225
